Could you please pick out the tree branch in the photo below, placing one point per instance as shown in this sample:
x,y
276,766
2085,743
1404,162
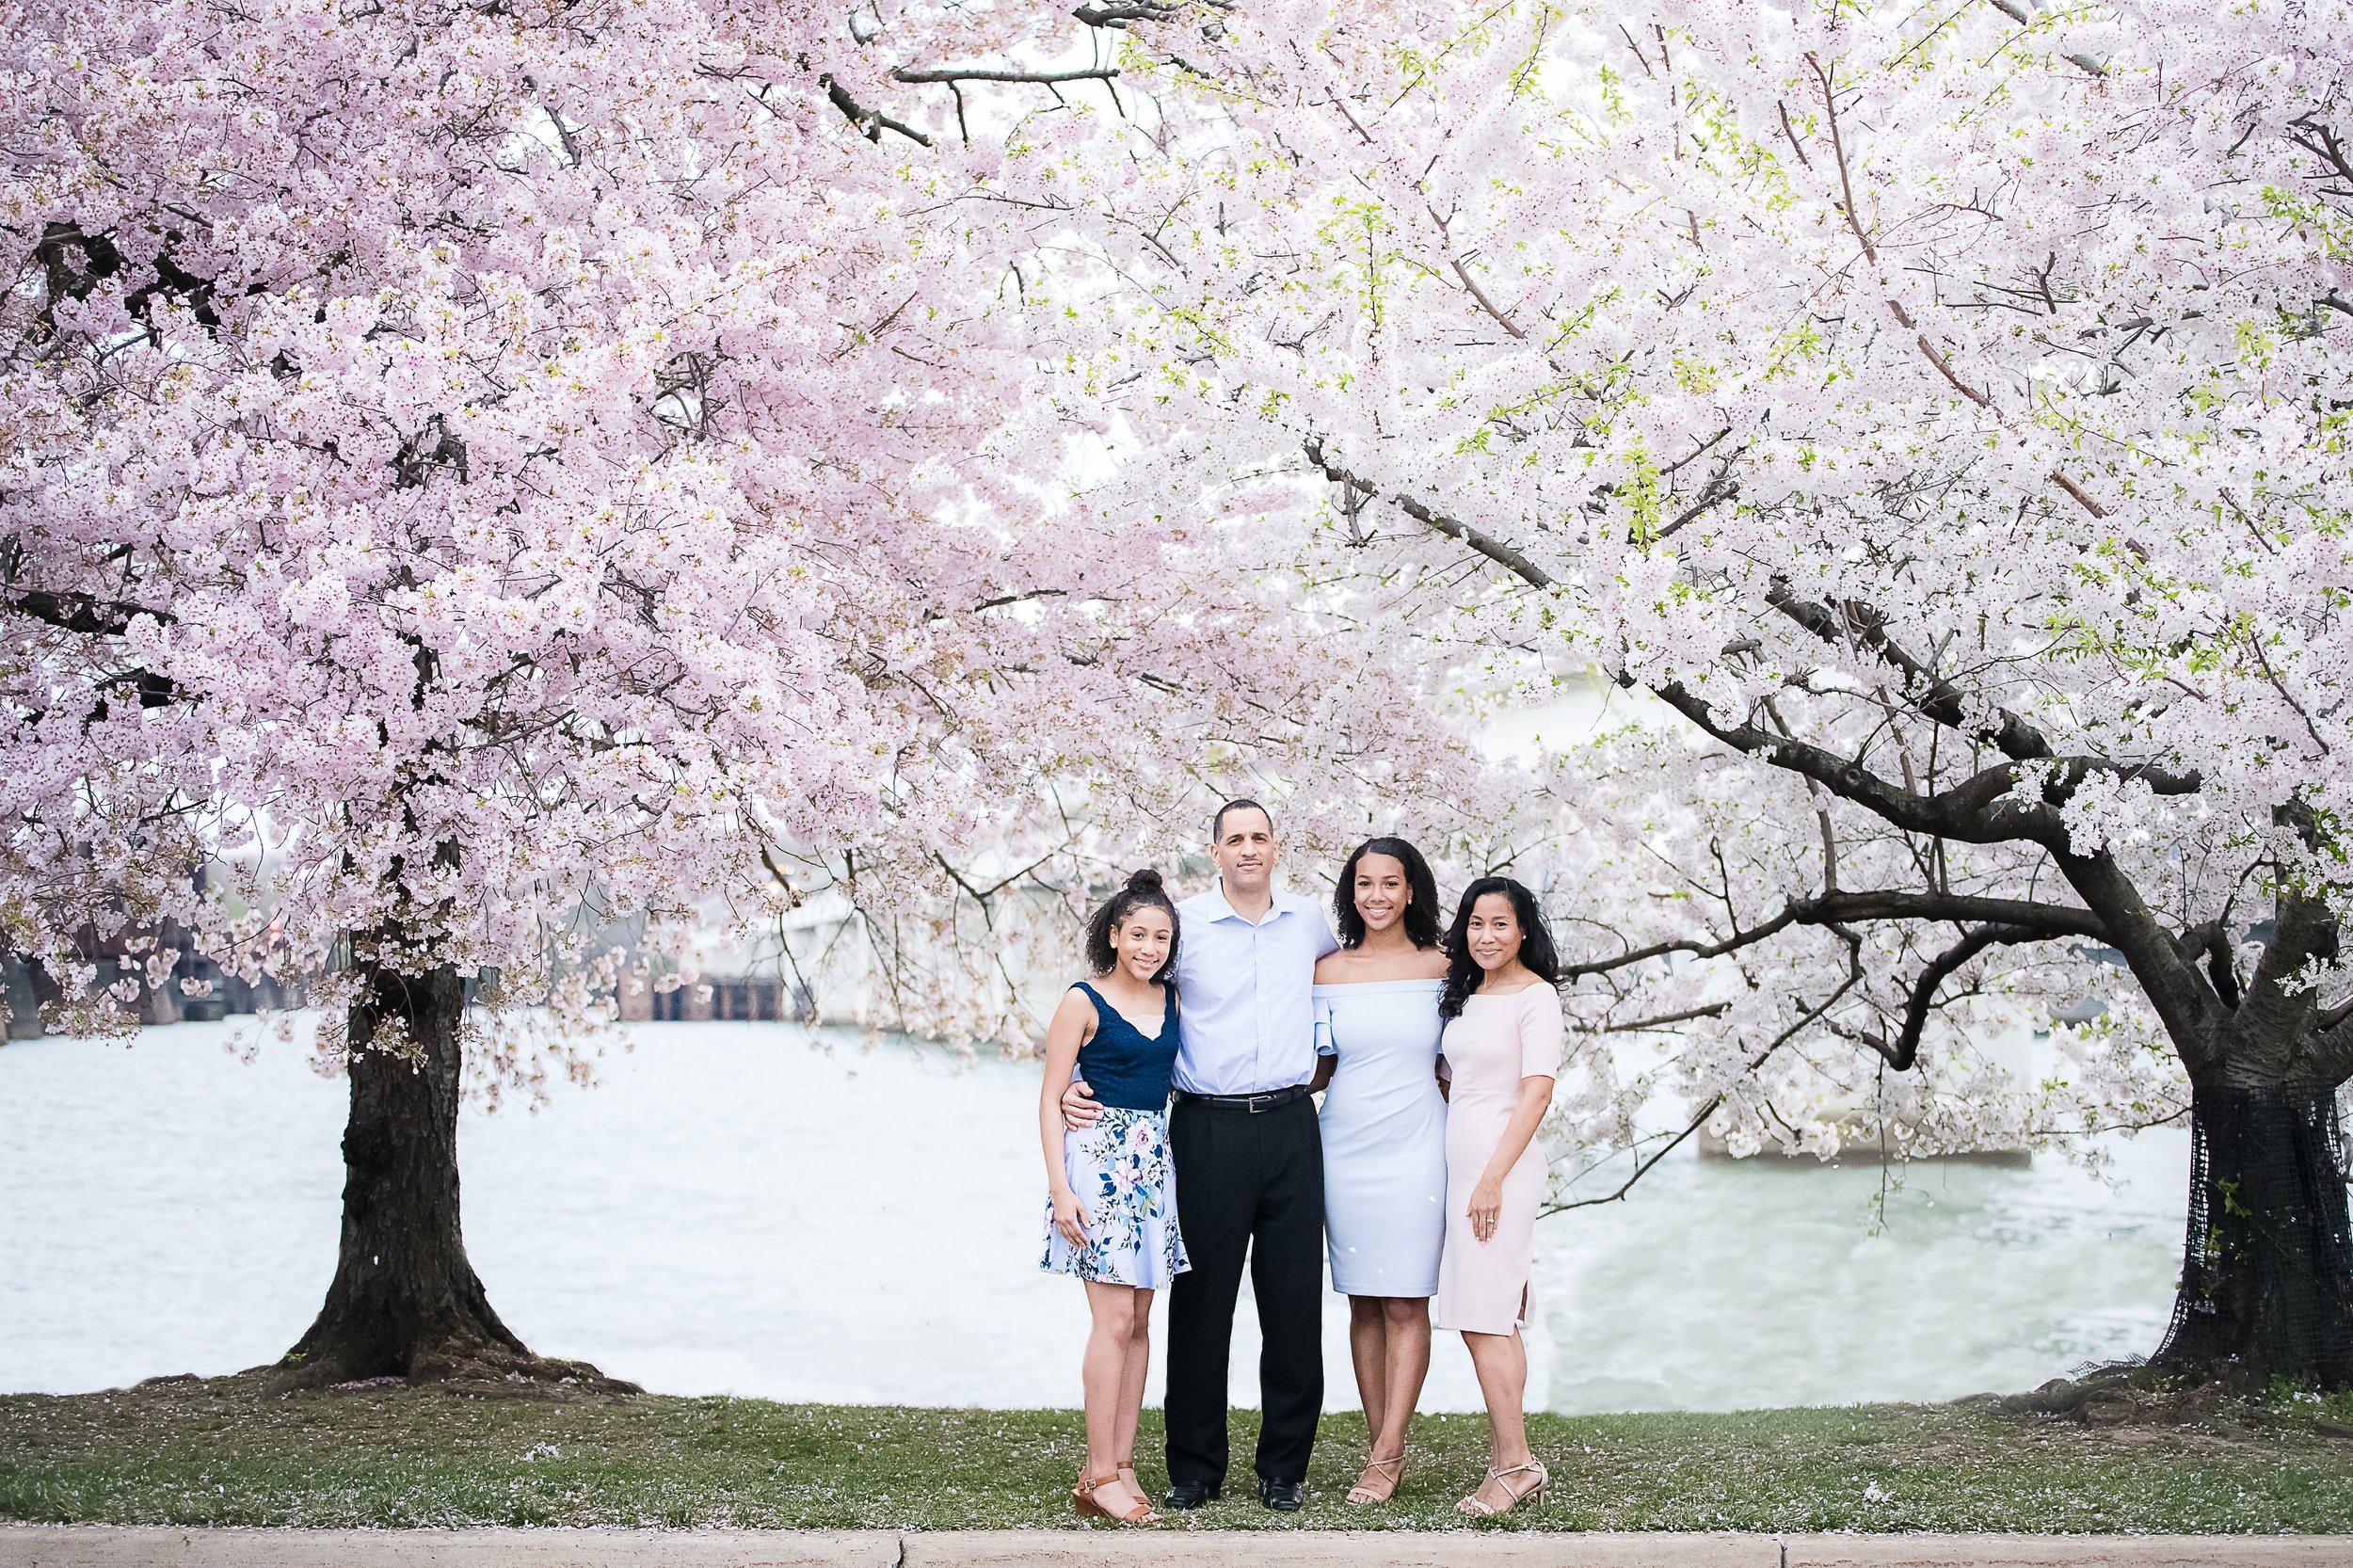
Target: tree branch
x,y
1485,544
1484,303
1642,1167
1709,1109
1980,809
2211,941
2271,1025
1838,146
1713,1009
2323,142
1003,599
1983,400
2329,1055
2184,1002
2017,13
1791,132
1969,811
150,689
1973,812
1944,366
2077,494
83,614
871,123
1936,699
1716,489
1905,1050
983,74
2034,922
1119,16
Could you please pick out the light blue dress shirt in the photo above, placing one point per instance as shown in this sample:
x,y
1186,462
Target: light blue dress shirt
x,y
1246,1022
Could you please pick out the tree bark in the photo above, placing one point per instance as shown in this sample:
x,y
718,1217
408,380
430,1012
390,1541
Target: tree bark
x,y
2268,1265
405,1301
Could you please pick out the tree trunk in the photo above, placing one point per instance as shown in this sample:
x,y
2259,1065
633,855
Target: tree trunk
x,y
2268,1268
19,979
405,1302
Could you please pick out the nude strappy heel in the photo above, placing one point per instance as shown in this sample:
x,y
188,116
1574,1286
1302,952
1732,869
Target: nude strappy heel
x,y
1478,1508
1083,1503
1390,1470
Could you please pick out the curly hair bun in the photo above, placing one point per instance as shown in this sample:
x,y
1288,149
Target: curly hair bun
x,y
1144,881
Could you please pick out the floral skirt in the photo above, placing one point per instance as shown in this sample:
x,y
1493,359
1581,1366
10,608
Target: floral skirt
x,y
1120,1168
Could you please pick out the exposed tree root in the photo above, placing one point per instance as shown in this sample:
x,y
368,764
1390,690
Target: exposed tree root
x,y
2138,1394
475,1367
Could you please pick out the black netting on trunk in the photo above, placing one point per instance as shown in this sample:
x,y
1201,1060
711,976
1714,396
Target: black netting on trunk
x,y
2268,1271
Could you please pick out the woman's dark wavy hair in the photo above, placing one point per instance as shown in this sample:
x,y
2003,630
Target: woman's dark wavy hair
x,y
1143,888
1462,973
1421,913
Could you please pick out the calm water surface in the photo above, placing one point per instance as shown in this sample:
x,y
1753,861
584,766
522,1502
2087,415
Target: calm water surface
x,y
735,1210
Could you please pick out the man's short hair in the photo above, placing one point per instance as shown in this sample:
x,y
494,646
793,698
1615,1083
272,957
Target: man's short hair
x,y
1217,823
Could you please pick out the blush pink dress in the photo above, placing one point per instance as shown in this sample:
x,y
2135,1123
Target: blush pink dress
x,y
1495,1042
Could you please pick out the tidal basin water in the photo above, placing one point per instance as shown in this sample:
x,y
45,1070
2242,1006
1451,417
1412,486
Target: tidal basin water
x,y
734,1211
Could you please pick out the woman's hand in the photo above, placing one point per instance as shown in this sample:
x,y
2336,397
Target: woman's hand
x,y
1486,1207
1070,1217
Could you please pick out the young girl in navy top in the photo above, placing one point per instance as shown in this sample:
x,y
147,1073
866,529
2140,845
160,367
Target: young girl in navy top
x,y
1111,1219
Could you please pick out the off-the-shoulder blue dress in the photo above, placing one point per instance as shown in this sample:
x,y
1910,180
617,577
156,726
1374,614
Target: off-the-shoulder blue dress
x,y
1383,1136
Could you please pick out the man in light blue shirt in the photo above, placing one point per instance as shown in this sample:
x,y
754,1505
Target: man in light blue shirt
x,y
1246,1022
1249,1164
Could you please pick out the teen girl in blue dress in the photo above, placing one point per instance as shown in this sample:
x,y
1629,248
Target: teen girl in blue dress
x,y
1112,1214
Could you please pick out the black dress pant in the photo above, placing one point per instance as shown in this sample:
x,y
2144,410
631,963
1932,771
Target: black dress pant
x,y
1246,1183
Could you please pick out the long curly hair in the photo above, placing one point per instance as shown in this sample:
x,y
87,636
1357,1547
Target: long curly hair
x,y
1143,888
1462,973
1421,913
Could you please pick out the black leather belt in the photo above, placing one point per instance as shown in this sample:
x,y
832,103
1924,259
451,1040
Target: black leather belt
x,y
1251,1103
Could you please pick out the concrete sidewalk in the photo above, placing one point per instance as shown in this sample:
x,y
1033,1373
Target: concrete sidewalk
x,y
99,1546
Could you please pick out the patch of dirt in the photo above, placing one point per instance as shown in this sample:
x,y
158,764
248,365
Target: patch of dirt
x,y
2133,1403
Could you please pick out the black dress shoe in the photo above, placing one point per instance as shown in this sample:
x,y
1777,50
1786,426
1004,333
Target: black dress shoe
x,y
1284,1497
1190,1494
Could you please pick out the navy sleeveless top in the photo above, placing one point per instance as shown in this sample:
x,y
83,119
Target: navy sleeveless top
x,y
1123,1066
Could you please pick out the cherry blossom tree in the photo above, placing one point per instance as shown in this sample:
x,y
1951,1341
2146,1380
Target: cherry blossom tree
x,y
479,473
1934,422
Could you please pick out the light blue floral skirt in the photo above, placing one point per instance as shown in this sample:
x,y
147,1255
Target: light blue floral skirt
x,y
1120,1168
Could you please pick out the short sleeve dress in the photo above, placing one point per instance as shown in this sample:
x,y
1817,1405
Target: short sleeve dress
x,y
1492,1044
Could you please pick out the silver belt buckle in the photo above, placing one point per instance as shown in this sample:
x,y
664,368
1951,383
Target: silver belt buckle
x,y
1260,1102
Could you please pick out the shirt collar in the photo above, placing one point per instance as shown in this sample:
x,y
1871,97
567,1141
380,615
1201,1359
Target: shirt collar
x,y
1283,903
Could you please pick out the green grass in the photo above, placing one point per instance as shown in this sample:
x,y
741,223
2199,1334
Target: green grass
x,y
224,1452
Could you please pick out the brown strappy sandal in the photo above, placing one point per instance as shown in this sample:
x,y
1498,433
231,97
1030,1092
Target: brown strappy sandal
x,y
1083,1503
1478,1508
1390,1470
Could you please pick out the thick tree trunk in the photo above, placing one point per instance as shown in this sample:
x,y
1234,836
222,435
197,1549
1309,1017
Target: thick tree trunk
x,y
405,1302
2268,1268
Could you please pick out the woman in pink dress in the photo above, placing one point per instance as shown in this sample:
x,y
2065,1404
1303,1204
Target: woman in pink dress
x,y
1502,1049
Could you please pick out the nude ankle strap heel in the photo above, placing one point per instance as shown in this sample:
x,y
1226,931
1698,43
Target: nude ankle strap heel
x,y
1390,1470
1478,1508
